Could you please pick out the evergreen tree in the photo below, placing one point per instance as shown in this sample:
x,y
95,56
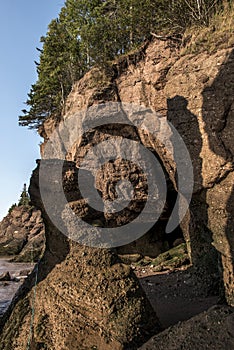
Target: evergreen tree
x,y
59,68
24,197
92,32
12,207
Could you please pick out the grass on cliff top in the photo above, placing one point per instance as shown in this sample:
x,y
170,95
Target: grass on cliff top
x,y
196,39
219,34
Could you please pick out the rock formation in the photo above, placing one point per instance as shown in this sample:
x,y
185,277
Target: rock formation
x,y
22,234
212,329
194,93
87,298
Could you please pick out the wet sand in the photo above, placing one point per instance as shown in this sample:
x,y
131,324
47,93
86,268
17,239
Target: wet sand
x,y
174,295
19,272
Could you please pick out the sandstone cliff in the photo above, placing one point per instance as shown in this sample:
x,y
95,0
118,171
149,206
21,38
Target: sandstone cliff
x,y
86,298
195,93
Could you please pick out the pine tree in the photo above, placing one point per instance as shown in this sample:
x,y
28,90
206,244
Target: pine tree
x,y
24,197
60,66
93,32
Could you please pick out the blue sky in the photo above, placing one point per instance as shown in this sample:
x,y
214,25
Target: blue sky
x,y
22,23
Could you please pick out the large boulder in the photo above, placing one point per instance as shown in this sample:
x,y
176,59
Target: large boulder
x,y
213,330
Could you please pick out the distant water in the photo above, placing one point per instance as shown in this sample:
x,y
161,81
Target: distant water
x,y
8,289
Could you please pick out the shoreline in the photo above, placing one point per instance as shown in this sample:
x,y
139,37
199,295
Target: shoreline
x,y
18,272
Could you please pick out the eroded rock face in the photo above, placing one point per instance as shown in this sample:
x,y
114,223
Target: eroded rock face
x,y
195,93
85,297
22,234
212,329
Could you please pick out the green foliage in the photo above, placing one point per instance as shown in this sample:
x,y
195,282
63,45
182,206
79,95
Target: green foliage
x,y
87,32
93,32
218,35
24,200
12,207
24,197
58,69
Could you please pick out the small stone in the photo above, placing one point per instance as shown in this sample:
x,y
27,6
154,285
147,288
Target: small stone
x,y
5,277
